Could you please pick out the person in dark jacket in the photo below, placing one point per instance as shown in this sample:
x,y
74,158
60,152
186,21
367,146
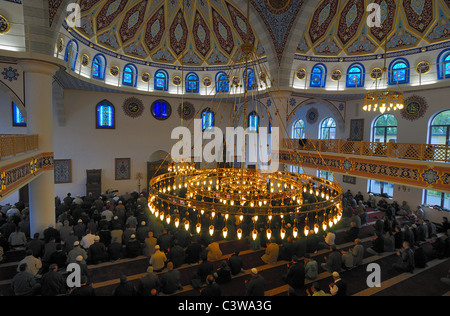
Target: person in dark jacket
x,y
177,255
133,247
170,281
405,261
53,283
256,285
193,252
125,288
223,273
377,245
115,250
235,263
97,252
295,276
211,289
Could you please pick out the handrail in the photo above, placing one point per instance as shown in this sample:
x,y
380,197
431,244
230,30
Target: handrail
x,y
421,152
13,145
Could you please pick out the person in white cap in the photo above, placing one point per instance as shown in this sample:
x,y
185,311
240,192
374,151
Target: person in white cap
x,y
338,287
75,252
256,285
97,251
158,260
87,240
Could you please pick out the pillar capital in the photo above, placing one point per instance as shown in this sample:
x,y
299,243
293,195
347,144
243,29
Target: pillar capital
x,y
39,67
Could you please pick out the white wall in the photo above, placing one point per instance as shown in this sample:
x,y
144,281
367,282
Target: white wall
x,y
138,139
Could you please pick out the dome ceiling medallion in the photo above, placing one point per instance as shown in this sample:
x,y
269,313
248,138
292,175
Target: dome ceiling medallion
x,y
165,31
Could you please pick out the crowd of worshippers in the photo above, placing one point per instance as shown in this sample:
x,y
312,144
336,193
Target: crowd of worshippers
x,y
91,231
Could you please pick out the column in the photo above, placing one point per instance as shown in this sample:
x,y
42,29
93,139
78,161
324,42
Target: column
x,y
39,105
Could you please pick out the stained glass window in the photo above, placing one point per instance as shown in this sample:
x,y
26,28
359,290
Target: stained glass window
x,y
161,110
399,72
207,120
129,75
18,119
71,54
192,83
161,80
253,122
251,83
318,76
105,115
328,129
355,76
98,67
222,84
447,66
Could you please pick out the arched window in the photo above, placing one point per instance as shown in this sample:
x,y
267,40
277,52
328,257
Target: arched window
x,y
71,54
253,122
355,76
105,115
161,80
385,129
192,83
443,65
129,75
222,84
328,129
161,110
318,76
440,129
251,83
399,71
18,120
207,119
298,130
99,67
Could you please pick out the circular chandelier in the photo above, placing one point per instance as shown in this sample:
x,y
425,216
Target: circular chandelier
x,y
184,197
213,198
383,100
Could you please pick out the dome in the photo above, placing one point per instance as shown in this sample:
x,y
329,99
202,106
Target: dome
x,y
194,33
349,28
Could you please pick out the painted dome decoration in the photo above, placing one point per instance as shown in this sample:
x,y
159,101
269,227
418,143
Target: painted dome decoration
x,y
338,27
196,32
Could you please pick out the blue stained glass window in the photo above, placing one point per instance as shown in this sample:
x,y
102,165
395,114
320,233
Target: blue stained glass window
x,y
399,72
253,122
18,119
98,67
105,115
222,84
161,80
318,75
128,76
161,110
251,85
355,76
70,56
207,120
192,83
447,66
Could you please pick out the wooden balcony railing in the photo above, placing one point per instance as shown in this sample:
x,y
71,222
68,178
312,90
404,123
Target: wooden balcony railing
x,y
12,145
422,152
